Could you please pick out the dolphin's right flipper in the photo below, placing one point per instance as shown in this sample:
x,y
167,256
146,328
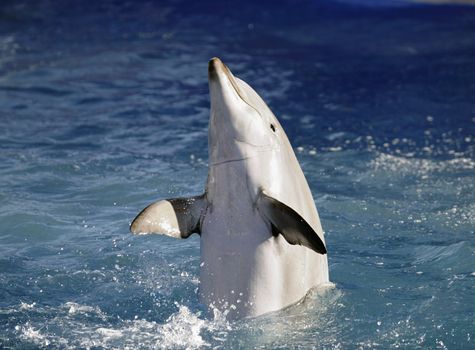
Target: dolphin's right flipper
x,y
289,223
177,217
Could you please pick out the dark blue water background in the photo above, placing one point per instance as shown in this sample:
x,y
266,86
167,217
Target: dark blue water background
x,y
104,109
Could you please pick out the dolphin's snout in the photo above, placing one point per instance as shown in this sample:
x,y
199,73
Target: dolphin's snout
x,y
213,67
219,72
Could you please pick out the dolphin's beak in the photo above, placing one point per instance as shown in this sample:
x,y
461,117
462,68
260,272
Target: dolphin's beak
x,y
215,65
219,73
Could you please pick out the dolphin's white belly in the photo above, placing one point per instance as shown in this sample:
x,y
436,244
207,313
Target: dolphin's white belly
x,y
250,272
244,268
229,250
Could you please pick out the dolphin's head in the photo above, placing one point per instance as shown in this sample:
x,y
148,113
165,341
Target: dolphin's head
x,y
241,124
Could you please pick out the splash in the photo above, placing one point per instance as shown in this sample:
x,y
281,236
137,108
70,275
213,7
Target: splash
x,y
70,329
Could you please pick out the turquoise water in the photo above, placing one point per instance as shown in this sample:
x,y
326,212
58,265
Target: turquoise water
x,y
104,109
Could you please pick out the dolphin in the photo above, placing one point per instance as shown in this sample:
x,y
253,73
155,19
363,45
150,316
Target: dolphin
x,y
262,244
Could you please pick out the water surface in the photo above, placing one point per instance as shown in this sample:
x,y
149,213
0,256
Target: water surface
x,y
104,109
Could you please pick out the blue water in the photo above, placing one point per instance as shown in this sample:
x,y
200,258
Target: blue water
x,y
104,109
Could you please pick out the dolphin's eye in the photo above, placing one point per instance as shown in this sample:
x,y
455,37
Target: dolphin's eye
x,y
272,127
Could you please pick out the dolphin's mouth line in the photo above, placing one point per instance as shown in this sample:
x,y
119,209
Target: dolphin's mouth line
x,y
230,161
260,149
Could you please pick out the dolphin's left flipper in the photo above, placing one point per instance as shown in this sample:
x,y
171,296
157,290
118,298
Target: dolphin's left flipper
x,y
177,217
289,223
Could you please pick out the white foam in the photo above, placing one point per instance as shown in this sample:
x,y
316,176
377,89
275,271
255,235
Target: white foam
x,y
77,308
70,330
74,308
29,333
26,306
109,333
183,329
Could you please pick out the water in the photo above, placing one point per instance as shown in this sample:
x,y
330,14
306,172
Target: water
x,y
104,109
